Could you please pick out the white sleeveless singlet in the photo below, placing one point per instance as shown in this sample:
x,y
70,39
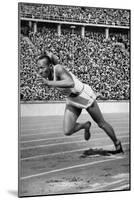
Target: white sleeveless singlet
x,y
78,85
85,97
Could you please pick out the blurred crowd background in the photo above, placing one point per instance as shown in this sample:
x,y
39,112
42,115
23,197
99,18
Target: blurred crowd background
x,y
76,14
102,63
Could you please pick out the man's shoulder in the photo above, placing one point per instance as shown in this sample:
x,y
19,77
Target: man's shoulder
x,y
59,68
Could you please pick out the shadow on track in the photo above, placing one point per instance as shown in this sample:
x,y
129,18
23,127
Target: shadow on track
x,y
100,152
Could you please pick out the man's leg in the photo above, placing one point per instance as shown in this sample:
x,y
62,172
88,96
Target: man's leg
x,y
70,125
97,116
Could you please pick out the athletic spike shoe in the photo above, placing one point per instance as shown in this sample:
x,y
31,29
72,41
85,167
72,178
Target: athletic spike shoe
x,y
118,147
87,133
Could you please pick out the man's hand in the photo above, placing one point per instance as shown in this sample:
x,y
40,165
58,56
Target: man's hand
x,y
45,81
42,82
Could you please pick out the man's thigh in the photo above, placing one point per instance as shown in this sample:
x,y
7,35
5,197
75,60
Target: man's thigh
x,y
70,117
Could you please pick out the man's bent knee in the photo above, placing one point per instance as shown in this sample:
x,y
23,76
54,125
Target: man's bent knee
x,y
68,132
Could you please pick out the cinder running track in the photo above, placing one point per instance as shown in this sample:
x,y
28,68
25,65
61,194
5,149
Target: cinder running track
x,y
51,163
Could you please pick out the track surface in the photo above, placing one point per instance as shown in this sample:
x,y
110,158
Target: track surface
x,y
51,163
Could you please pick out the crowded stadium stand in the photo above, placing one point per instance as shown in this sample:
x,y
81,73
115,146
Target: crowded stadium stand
x,y
107,16
97,55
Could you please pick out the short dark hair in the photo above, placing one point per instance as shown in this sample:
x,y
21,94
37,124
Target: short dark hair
x,y
44,56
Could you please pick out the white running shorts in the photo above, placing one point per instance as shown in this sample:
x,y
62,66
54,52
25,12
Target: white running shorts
x,y
84,100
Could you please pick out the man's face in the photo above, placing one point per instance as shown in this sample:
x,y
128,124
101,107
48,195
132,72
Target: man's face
x,y
43,68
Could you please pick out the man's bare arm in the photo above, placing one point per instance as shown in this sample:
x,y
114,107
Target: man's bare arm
x,y
65,81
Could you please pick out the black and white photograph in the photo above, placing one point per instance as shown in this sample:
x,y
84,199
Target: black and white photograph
x,y
74,99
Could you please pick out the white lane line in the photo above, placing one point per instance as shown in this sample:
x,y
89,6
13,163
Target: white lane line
x,y
40,129
47,139
123,118
58,138
68,168
66,152
126,121
82,117
53,127
45,126
104,186
126,186
60,130
36,134
61,143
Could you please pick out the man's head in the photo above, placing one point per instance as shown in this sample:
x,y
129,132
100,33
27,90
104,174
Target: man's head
x,y
43,65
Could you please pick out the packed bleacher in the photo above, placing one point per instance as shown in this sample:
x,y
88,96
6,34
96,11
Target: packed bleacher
x,y
105,16
103,64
